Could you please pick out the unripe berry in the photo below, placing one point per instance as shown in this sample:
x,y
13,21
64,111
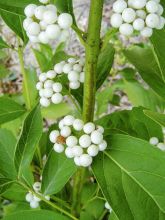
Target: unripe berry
x,y
147,32
53,31
154,140
85,160
93,150
34,204
29,197
96,137
53,136
29,10
126,29
44,102
68,120
85,141
74,85
119,6
49,17
89,127
65,131
57,98
128,15
37,186
78,124
102,145
59,148
57,87
68,152
116,20
33,29
65,20
77,151
71,141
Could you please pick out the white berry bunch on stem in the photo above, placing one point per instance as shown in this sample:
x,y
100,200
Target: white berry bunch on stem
x,y
32,198
141,16
42,23
79,141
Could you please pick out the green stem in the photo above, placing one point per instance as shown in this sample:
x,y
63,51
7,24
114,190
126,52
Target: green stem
x,y
92,47
23,71
92,53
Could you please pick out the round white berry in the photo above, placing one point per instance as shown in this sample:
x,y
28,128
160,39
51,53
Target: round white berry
x,y
26,23
51,74
65,131
37,186
59,148
53,31
69,152
82,77
33,39
138,24
102,145
53,136
61,124
119,6
67,67
147,32
57,87
65,20
78,124
73,76
52,7
42,77
68,120
130,3
128,15
37,199
34,204
141,14
152,6
43,25
161,23
74,85
89,127
48,93
77,151
50,17
100,129
161,146
29,197
85,141
57,98
96,137
154,140
93,150
39,85
43,37
71,141
77,161
59,67
33,29
85,160
116,20
77,68
29,10
152,20
44,102
39,11
138,4
44,1
41,92
160,10
126,29
48,84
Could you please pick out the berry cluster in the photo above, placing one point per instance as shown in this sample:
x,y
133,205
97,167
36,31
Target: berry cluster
x,y
107,206
49,90
137,15
80,141
42,23
32,199
155,141
74,68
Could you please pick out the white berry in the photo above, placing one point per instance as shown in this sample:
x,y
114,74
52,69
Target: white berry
x,y
39,11
139,4
77,151
73,76
102,145
154,140
71,141
26,23
65,131
51,74
29,10
141,14
34,204
29,197
65,20
152,6
68,120
44,1
39,85
128,15
42,77
57,98
138,24
77,161
161,146
85,141
50,17
78,124
96,137
57,87
48,93
116,20
59,148
37,186
44,102
89,127
126,29
59,67
85,160
69,152
43,37
53,136
119,6
74,84
53,31
67,68
36,198
93,150
147,32
33,29
152,20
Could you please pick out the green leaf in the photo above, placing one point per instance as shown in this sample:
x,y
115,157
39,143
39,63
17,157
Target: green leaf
x,y
4,72
42,60
56,111
27,143
148,67
105,62
3,44
113,216
56,173
36,215
134,123
155,116
129,174
9,110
